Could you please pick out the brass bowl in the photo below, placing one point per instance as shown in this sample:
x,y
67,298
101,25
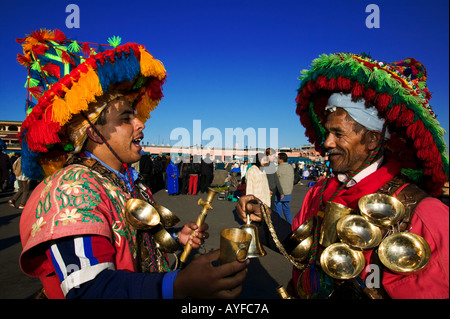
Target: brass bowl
x,y
341,262
168,219
304,230
164,240
141,215
301,251
404,253
381,210
358,232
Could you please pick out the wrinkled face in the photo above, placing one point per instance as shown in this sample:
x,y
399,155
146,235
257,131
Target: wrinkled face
x,y
123,131
347,149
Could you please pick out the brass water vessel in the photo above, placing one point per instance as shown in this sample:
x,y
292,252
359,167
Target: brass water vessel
x,y
358,232
381,210
342,262
141,215
404,253
333,212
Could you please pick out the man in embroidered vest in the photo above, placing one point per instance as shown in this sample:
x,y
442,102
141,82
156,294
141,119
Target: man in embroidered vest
x,y
81,138
374,122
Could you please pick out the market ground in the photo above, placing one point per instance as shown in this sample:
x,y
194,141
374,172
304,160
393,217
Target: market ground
x,y
264,276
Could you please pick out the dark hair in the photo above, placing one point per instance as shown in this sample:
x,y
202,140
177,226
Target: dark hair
x,y
283,157
270,151
258,158
106,98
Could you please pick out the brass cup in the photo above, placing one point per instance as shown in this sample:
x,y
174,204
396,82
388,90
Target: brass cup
x,y
141,215
234,244
168,219
381,210
164,240
301,251
333,212
211,193
358,232
341,262
404,253
304,230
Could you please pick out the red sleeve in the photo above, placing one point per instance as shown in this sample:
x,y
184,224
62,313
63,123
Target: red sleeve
x,y
431,221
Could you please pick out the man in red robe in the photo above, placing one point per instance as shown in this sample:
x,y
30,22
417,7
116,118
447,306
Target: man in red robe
x,y
380,136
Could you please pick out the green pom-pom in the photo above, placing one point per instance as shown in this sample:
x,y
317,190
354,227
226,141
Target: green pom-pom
x,y
415,175
114,41
68,147
31,82
74,47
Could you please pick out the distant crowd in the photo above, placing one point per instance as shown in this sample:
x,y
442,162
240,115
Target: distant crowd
x,y
190,175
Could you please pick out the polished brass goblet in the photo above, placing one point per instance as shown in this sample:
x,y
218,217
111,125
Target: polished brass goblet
x,y
381,210
164,240
304,230
301,250
404,253
141,215
358,232
342,262
168,219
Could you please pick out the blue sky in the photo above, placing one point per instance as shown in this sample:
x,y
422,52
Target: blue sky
x,y
234,63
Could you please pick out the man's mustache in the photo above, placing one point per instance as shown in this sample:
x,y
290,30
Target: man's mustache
x,y
333,152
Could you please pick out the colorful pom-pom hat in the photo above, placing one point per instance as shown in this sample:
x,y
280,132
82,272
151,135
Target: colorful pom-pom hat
x,y
67,84
399,92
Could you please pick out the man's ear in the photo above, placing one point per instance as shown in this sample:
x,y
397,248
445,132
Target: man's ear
x,y
373,137
93,136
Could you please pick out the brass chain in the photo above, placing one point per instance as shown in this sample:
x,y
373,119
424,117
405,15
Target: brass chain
x,y
277,241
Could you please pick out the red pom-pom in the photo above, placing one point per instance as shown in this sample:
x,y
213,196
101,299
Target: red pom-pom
x,y
52,70
344,84
39,49
393,113
369,96
67,59
406,117
332,84
23,60
86,49
357,90
36,91
383,100
59,36
311,86
322,82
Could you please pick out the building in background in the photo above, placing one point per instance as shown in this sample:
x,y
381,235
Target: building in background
x,y
10,129
8,133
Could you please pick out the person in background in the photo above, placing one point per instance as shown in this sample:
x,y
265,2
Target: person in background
x,y
24,186
5,167
184,168
172,174
206,173
146,169
193,175
270,168
285,174
256,180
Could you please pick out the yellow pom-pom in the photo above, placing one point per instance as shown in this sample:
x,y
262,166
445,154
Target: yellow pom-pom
x,y
60,113
150,66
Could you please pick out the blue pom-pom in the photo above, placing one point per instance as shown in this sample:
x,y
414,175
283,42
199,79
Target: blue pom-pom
x,y
30,167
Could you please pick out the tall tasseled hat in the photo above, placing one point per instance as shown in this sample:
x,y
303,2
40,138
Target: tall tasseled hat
x,y
68,81
399,93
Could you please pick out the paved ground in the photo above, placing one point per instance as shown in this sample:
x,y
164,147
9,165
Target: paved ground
x,y
265,274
